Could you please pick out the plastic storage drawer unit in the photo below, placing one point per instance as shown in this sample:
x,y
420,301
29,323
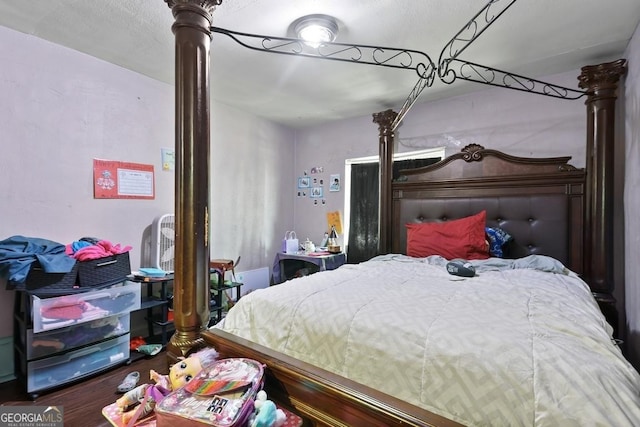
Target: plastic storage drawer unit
x,y
67,310
57,370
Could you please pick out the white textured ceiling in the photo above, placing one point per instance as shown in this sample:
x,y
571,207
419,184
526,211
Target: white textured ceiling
x,y
533,38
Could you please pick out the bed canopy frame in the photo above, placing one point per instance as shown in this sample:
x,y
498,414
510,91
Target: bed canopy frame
x,y
290,381
449,69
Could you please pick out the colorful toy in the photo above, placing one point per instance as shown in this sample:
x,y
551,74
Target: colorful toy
x,y
141,401
221,395
267,414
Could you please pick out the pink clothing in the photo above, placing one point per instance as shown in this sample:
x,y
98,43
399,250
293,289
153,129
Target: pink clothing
x,y
103,248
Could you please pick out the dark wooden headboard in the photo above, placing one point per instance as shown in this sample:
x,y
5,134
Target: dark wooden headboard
x,y
538,201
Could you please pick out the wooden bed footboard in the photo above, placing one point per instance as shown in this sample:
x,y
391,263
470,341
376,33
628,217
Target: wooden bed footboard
x,y
321,397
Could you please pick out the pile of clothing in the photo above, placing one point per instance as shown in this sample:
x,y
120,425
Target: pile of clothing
x,y
89,248
18,253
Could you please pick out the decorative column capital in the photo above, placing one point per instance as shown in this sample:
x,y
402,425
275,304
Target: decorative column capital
x,y
208,5
385,120
199,14
605,76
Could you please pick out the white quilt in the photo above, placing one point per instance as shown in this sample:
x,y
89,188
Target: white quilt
x,y
510,347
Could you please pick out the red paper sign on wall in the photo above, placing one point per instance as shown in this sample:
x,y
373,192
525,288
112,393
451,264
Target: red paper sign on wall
x,y
122,180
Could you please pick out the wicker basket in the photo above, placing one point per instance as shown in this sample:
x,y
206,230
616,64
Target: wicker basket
x,y
104,271
40,282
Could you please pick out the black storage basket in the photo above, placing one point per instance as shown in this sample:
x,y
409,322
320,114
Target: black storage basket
x,y
40,282
104,271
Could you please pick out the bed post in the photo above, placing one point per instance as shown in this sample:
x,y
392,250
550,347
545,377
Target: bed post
x,y
191,281
601,83
385,121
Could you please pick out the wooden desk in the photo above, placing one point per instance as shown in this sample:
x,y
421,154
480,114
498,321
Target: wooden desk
x,y
284,264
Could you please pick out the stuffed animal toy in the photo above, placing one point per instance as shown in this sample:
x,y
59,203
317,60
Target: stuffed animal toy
x,y
141,401
267,415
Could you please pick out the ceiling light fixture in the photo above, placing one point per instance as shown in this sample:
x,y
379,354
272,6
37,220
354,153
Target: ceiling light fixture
x,y
316,29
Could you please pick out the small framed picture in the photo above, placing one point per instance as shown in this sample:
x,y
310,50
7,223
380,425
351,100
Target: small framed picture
x,y
334,182
316,193
304,182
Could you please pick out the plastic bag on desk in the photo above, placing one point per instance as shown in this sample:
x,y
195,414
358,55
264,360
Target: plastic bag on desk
x,y
291,243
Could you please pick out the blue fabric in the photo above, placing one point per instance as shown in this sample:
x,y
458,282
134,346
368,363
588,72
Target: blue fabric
x,y
17,253
79,244
497,238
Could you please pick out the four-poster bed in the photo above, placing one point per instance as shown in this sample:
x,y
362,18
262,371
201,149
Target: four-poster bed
x,y
541,204
457,187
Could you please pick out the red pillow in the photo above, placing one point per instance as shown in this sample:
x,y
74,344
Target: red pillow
x,y
460,238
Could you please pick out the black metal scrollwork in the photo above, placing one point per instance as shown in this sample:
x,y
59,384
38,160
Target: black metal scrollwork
x,y
421,84
492,76
449,69
469,32
391,57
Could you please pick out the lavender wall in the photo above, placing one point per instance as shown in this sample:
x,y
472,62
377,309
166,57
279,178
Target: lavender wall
x,y
60,109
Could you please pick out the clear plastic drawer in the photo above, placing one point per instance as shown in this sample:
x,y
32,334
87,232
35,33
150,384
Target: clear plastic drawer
x,y
61,340
57,370
68,310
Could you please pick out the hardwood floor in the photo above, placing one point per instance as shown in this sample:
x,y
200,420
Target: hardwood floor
x,y
82,402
